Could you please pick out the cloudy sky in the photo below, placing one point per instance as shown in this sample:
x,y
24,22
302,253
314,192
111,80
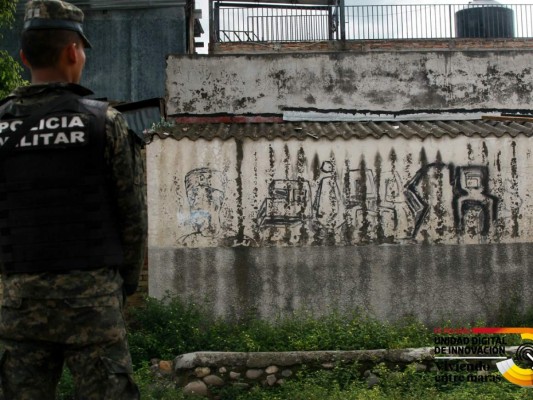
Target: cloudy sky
x,y
203,5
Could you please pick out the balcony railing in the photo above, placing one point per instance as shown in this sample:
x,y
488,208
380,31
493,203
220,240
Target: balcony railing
x,y
240,22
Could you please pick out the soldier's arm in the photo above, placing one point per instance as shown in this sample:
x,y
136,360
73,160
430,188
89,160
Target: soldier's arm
x,y
129,180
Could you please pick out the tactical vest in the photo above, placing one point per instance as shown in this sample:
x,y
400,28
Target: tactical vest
x,y
56,208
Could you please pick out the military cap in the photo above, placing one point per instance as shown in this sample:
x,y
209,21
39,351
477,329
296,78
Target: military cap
x,y
54,14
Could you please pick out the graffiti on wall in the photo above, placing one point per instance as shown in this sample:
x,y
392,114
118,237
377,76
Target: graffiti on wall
x,y
334,204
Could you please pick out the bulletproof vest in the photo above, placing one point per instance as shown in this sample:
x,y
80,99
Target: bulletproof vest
x,y
56,208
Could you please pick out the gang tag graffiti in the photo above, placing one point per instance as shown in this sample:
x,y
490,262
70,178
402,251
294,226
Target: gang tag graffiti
x,y
290,194
57,131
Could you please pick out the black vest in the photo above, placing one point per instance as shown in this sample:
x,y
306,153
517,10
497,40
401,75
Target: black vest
x,y
56,208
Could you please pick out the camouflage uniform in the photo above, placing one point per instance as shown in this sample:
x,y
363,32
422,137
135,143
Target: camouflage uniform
x,y
75,317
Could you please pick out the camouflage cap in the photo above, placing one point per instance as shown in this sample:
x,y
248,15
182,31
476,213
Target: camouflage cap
x,y
54,14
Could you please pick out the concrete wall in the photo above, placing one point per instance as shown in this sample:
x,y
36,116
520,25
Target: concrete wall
x,y
439,228
388,81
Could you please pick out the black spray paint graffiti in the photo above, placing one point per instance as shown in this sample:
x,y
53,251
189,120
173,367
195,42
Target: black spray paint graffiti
x,y
470,185
373,202
288,202
206,188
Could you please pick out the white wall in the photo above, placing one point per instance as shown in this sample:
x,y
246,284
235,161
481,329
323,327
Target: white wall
x,y
376,81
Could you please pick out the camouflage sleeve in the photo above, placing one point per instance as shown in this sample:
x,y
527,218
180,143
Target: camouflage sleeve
x,y
128,177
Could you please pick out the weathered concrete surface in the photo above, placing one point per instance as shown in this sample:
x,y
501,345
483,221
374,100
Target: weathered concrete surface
x,y
439,229
431,282
376,81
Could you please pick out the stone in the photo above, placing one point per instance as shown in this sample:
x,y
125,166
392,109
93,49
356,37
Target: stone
x,y
328,365
272,370
214,380
372,380
202,372
222,370
234,375
271,380
254,373
286,373
420,367
196,387
165,367
281,382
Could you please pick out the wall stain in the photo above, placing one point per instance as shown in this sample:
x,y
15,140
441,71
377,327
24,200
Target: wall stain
x,y
470,152
238,182
439,209
348,228
380,232
255,200
485,154
515,202
287,236
270,177
361,198
315,167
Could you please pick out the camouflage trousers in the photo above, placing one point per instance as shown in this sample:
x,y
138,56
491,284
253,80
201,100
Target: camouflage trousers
x,y
39,336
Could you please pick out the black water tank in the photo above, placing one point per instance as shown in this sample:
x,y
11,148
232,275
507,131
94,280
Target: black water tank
x,y
484,19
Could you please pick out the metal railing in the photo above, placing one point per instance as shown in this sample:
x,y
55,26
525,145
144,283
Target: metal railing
x,y
238,22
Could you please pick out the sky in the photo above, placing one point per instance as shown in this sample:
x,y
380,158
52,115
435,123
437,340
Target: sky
x,y
203,5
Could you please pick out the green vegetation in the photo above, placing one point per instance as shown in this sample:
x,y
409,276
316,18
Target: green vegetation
x,y
10,70
165,329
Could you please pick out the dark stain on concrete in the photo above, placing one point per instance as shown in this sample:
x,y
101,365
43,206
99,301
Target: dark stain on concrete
x,y
310,99
242,103
439,209
238,182
361,196
348,228
315,167
380,232
255,201
470,152
515,202
485,154
426,190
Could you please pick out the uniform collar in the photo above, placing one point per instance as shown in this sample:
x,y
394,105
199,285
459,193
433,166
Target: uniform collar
x,y
33,90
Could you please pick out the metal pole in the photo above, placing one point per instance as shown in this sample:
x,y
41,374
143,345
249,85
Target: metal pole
x,y
342,20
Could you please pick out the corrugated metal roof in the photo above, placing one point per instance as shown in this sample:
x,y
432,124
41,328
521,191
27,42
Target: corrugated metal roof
x,y
347,130
114,4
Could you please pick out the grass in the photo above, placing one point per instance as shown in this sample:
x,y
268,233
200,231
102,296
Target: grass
x,y
165,329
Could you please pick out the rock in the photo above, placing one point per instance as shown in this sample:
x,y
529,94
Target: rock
x,y
222,370
281,382
286,373
234,375
165,367
328,365
272,370
420,367
271,380
214,380
254,373
196,387
372,380
202,372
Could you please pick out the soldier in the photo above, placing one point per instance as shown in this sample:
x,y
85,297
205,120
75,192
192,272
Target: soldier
x,y
72,221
